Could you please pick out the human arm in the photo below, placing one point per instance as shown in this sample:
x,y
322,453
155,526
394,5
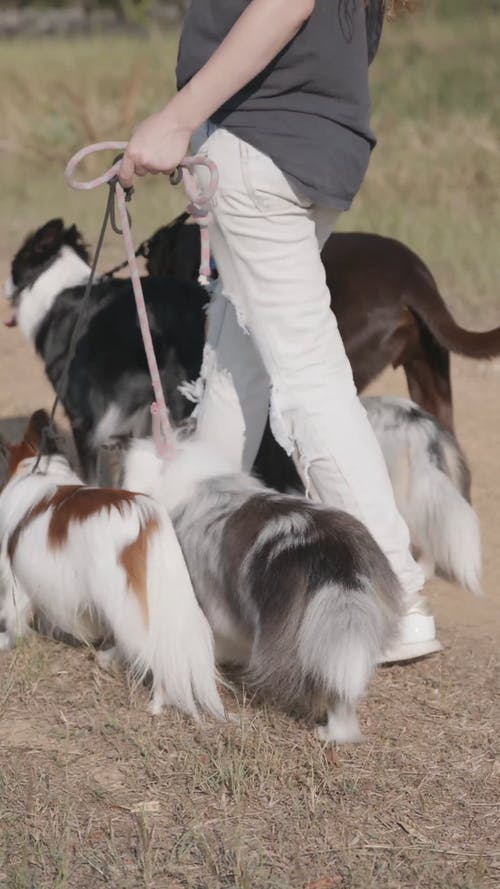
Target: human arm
x,y
160,142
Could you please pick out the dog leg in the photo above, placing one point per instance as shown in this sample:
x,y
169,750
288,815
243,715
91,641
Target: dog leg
x,y
429,385
428,566
157,702
342,725
16,614
108,659
6,640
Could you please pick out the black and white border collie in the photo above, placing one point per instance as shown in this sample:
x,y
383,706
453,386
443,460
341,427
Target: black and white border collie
x,y
299,597
109,390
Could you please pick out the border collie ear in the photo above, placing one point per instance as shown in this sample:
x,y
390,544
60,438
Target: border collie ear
x,y
49,235
73,237
40,433
178,221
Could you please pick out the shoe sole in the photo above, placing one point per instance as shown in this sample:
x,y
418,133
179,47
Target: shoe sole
x,y
410,651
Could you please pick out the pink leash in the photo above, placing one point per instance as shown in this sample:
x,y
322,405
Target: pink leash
x,y
199,208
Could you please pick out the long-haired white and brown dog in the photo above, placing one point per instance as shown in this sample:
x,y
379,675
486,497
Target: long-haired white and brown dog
x,y
298,596
94,561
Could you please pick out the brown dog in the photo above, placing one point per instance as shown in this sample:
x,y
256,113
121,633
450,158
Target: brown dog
x,y
387,305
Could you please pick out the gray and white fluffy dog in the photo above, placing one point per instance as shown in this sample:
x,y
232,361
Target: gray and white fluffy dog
x,y
431,482
299,597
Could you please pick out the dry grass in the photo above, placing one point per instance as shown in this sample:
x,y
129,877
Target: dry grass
x,y
65,95
433,180
95,792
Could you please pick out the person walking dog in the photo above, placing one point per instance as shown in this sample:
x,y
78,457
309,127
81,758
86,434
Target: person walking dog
x,y
276,93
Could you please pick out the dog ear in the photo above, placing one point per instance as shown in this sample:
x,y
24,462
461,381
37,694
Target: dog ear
x,y
178,221
73,237
38,422
49,235
42,435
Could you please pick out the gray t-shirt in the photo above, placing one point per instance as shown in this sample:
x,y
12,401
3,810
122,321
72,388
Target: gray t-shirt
x,y
309,109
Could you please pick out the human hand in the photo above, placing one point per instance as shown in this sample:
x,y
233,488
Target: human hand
x,y
157,145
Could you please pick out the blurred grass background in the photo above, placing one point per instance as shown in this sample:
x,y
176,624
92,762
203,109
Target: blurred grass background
x,y
434,180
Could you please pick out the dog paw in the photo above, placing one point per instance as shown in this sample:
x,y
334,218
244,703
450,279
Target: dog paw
x,y
428,566
107,659
340,730
324,734
6,642
157,703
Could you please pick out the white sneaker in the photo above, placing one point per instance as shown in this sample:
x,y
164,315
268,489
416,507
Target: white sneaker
x,y
417,635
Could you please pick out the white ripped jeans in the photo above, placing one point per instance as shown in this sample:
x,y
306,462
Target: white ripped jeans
x,y
273,342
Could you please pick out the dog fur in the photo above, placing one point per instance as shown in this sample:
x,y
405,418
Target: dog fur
x,y
430,478
93,562
431,482
299,597
109,389
387,304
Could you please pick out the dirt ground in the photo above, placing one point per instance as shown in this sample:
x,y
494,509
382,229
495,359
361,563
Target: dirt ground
x,y
94,793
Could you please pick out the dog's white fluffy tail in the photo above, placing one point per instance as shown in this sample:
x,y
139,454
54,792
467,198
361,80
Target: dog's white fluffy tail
x,y
179,640
172,637
443,526
342,636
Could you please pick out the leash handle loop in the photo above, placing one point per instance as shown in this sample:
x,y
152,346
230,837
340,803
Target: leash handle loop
x,y
89,184
187,166
200,200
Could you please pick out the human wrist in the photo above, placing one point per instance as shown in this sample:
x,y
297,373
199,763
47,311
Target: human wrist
x,y
184,111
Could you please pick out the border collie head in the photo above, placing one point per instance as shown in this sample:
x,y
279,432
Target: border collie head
x,y
38,254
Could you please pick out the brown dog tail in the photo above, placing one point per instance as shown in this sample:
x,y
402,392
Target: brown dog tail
x,y
426,302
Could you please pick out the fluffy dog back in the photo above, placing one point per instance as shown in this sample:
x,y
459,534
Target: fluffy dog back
x,y
308,588
300,597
